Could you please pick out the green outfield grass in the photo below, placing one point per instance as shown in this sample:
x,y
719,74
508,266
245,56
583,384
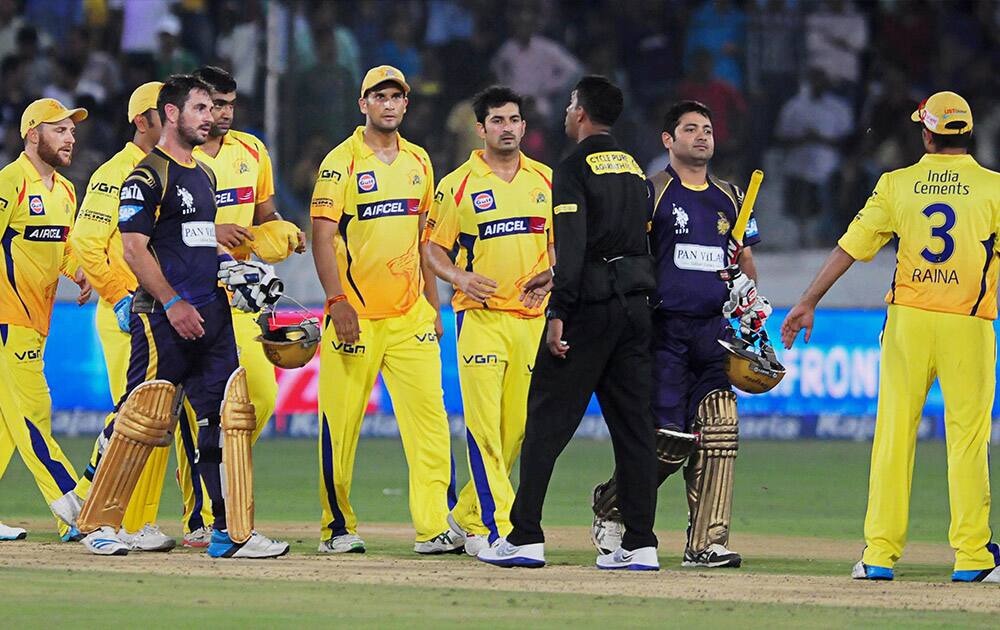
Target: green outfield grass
x,y
782,488
94,599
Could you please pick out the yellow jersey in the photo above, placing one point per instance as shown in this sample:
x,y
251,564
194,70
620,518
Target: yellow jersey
x,y
377,207
944,214
35,224
95,240
245,177
503,229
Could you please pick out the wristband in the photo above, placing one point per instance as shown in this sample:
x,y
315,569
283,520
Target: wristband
x,y
171,302
221,258
337,298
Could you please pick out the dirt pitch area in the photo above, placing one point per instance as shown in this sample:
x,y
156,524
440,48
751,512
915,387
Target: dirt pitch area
x,y
464,573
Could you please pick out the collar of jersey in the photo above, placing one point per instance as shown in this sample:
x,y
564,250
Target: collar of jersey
x,y
362,150
134,151
480,168
191,164
29,169
946,157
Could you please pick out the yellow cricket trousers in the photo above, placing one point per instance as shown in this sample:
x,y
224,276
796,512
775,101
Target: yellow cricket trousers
x,y
263,387
960,351
496,353
406,350
26,407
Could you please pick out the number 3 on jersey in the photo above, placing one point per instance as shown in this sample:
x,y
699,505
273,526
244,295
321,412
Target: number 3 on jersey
x,y
941,232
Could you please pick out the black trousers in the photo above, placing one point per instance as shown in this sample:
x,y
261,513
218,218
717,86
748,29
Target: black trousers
x,y
609,354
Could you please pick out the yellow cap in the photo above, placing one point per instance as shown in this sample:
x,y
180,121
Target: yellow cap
x,y
944,113
380,74
48,110
143,99
273,242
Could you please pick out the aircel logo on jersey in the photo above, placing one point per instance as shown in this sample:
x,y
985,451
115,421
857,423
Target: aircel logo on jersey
x,y
483,201
46,233
35,206
367,182
516,225
131,193
198,233
388,208
234,196
698,257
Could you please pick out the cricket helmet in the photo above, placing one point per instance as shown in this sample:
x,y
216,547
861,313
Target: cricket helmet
x,y
290,346
751,369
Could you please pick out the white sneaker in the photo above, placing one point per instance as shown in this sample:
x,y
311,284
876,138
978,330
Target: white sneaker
x,y
474,543
714,557
198,538
149,538
345,543
257,546
606,534
104,542
503,554
451,540
67,507
642,559
12,533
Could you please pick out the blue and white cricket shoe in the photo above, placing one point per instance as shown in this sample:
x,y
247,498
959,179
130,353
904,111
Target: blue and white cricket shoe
x,y
104,542
72,535
12,533
257,546
862,571
642,559
986,575
503,554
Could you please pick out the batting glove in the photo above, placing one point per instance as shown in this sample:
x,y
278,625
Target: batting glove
x,y
233,273
252,298
742,292
753,320
123,312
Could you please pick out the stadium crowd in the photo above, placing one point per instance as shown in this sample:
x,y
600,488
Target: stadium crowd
x,y
815,89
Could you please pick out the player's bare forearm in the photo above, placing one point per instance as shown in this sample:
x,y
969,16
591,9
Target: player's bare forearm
x,y
836,265
747,264
325,256
430,280
430,284
146,269
436,259
265,211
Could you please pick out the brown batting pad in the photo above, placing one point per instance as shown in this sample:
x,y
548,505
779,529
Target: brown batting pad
x,y
238,425
140,425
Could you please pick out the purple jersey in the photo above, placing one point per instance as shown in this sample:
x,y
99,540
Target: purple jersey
x,y
690,231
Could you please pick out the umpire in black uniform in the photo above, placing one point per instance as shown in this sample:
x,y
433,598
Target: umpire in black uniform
x,y
598,335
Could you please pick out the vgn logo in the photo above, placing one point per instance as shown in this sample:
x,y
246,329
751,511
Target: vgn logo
x,y
367,182
348,348
28,355
483,201
480,359
35,206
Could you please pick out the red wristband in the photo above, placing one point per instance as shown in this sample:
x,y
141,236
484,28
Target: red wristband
x,y
333,300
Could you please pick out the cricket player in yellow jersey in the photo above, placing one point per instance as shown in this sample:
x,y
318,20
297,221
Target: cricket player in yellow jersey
x,y
497,207
944,215
245,200
97,245
37,206
368,210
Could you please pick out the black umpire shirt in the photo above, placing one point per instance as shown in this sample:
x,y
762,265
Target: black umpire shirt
x,y
600,206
